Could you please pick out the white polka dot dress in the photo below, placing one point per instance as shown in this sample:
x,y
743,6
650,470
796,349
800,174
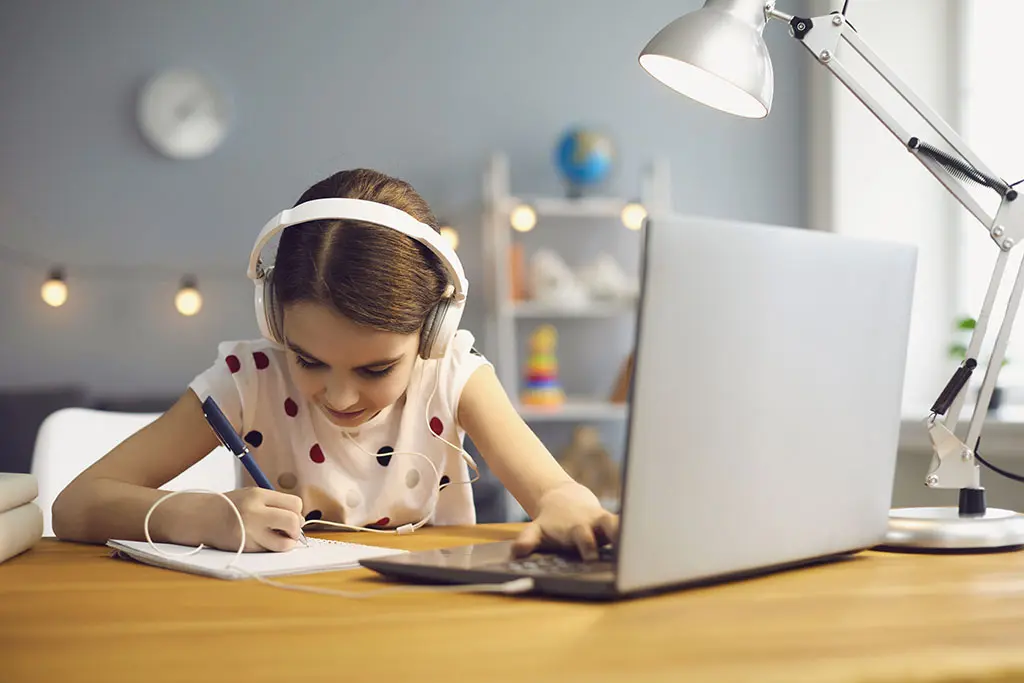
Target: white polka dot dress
x,y
375,483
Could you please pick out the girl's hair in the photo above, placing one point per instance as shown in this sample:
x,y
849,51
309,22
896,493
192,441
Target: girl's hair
x,y
374,276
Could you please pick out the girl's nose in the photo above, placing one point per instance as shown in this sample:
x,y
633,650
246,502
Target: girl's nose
x,y
340,395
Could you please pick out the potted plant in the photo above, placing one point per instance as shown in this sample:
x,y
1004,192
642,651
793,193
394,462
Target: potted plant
x,y
958,350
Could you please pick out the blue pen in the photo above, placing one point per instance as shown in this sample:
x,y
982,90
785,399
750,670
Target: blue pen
x,y
234,443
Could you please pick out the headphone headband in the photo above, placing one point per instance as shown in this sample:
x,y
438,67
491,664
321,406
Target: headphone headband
x,y
368,212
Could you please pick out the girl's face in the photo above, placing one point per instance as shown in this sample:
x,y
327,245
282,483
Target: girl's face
x,y
348,371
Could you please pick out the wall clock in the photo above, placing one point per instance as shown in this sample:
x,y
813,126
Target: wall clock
x,y
182,114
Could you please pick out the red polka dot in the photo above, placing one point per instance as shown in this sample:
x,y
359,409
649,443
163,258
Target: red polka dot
x,y
383,521
262,362
316,454
291,407
436,425
234,365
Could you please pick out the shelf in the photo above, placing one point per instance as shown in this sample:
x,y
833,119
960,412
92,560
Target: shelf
x,y
537,309
576,409
584,207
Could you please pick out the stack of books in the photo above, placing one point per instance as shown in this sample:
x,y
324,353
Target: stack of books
x,y
21,520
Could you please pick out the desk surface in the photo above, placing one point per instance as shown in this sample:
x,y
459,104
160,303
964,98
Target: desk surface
x,y
71,613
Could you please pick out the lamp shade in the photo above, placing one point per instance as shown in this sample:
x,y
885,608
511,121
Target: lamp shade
x,y
717,56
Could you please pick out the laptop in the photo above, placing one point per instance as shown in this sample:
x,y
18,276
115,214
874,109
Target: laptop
x,y
764,414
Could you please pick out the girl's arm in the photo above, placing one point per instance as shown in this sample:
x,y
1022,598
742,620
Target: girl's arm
x,y
110,499
513,452
564,512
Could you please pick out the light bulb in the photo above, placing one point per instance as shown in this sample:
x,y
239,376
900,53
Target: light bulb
x,y
55,290
523,218
188,300
450,235
633,215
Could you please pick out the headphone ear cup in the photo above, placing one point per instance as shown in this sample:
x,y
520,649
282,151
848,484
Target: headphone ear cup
x,y
267,316
271,310
440,327
428,334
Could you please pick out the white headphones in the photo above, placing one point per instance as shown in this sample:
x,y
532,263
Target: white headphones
x,y
443,320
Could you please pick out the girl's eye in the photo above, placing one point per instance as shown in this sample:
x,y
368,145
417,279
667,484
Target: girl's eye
x,y
305,363
374,373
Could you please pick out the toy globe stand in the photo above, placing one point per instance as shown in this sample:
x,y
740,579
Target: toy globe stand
x,y
542,387
584,158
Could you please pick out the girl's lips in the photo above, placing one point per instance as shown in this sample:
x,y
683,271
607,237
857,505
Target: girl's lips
x,y
344,416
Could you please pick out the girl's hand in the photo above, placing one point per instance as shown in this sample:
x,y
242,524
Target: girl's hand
x,y
570,516
272,519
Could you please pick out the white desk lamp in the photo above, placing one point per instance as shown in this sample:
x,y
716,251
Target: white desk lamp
x,y
717,56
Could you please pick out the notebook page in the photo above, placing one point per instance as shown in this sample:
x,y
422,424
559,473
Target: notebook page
x,y
321,555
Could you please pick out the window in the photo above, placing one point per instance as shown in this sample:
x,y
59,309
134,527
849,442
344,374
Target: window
x,y
991,108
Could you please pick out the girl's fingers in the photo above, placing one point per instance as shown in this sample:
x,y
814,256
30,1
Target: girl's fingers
x,y
528,541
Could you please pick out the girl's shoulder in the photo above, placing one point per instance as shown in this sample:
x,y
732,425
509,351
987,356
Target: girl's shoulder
x,y
244,374
462,354
250,355
445,377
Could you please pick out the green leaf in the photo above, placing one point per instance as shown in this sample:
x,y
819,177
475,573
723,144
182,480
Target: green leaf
x,y
965,324
958,351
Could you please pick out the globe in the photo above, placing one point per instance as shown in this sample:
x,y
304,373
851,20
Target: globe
x,y
584,158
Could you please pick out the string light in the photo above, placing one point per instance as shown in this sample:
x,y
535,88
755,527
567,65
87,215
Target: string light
x,y
633,215
188,300
55,290
450,235
523,218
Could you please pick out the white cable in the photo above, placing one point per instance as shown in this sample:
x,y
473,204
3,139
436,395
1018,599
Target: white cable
x,y
426,413
234,508
409,528
404,528
519,585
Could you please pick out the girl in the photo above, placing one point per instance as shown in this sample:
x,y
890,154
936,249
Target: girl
x,y
354,406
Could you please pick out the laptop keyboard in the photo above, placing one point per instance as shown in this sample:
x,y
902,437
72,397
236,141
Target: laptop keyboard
x,y
554,563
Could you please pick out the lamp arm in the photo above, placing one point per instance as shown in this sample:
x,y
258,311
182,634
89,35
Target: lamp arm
x,y
953,463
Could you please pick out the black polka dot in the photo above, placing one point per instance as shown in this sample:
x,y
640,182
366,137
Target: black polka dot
x,y
445,480
254,438
384,455
313,514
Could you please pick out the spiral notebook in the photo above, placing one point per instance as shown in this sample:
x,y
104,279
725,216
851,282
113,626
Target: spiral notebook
x,y
321,555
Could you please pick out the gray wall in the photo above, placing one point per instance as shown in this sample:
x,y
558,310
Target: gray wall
x,y
421,89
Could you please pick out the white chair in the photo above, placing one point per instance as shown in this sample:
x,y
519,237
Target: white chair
x,y
71,439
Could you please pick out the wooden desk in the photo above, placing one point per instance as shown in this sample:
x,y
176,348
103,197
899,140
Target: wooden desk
x,y
70,613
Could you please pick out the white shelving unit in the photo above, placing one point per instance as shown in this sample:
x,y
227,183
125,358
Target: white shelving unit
x,y
502,331
505,315
576,409
533,309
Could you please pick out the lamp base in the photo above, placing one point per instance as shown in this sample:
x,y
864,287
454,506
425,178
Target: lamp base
x,y
942,529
